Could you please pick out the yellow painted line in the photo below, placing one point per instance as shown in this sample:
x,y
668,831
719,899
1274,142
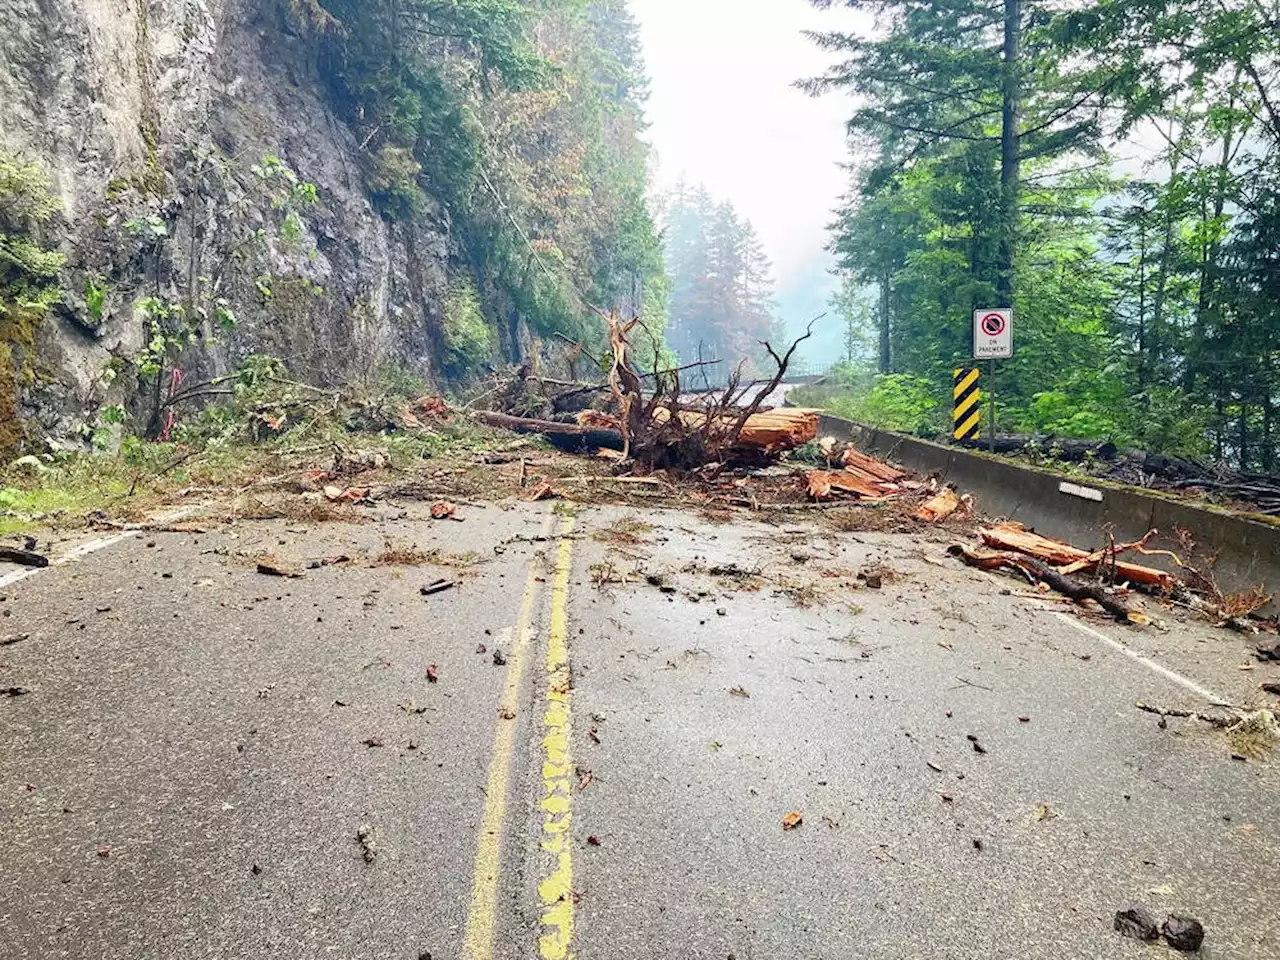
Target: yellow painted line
x,y
969,426
555,890
481,917
967,404
968,382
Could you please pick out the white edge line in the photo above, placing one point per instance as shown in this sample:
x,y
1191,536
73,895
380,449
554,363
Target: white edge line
x,y
1150,664
93,546
1164,671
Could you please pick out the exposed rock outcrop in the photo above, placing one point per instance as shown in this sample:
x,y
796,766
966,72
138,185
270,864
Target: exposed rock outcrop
x,y
183,138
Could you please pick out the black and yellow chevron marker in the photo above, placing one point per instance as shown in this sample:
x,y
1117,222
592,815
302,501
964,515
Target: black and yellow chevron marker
x,y
967,414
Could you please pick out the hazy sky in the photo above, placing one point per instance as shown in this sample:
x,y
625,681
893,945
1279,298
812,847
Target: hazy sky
x,y
723,112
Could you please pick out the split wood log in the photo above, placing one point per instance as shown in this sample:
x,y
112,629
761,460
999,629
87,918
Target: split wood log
x,y
771,432
823,484
858,462
1016,537
987,560
938,508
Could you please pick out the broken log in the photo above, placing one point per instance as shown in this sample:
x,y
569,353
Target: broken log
x,y
570,437
859,463
1017,538
1074,589
1222,722
771,432
823,483
939,508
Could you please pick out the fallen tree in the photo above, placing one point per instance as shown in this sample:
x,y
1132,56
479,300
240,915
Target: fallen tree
x,y
1035,570
653,426
1015,537
1061,448
659,431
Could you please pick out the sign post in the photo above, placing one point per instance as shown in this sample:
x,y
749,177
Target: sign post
x,y
992,341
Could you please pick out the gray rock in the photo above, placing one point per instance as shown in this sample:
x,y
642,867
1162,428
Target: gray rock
x,y
1135,921
161,113
1183,933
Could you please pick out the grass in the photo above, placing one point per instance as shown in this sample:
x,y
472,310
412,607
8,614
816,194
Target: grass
x,y
58,496
400,555
628,530
217,458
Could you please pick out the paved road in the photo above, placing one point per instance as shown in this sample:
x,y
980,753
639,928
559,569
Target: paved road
x,y
202,746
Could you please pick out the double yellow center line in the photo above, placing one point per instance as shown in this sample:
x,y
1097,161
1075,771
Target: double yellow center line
x,y
555,890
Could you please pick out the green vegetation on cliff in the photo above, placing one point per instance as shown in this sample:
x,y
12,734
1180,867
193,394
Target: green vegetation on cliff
x,y
518,124
28,281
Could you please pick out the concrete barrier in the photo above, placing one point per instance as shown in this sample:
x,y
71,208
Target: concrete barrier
x,y
1082,511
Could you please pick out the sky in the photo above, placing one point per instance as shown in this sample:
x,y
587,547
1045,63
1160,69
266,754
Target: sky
x,y
723,112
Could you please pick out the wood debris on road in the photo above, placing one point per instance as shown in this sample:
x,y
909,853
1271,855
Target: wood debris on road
x,y
1012,536
272,567
1035,569
24,558
940,507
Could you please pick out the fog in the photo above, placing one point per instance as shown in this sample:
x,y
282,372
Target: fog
x,y
723,112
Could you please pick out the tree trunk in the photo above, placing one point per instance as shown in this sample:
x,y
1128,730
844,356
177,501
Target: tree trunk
x,y
1268,454
886,358
1009,167
1209,262
1219,422
1142,299
1244,434
1166,261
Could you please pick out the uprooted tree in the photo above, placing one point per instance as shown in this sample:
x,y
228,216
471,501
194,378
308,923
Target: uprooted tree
x,y
658,425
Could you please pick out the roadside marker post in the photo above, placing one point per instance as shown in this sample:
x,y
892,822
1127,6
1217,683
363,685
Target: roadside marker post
x,y
992,341
966,412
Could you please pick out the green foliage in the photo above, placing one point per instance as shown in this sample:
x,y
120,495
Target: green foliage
x,y
95,297
166,334
151,228
1146,311
895,402
891,402
28,281
27,268
287,194
392,182
468,339
518,122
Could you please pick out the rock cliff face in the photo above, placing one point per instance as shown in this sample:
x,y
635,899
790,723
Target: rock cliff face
x,y
183,138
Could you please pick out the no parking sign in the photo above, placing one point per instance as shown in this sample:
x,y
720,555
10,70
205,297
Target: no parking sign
x,y
992,334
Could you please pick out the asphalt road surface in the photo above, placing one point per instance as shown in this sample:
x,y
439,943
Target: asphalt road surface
x,y
587,746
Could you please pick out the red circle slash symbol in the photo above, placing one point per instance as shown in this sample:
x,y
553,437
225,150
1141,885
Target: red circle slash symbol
x,y
993,324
